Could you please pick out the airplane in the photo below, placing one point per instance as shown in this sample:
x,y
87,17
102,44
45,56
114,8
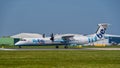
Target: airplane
x,y
65,40
39,41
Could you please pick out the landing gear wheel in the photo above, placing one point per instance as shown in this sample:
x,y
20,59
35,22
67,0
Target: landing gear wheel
x,y
20,47
57,46
66,47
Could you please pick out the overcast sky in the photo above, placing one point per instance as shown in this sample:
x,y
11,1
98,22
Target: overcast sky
x,y
58,16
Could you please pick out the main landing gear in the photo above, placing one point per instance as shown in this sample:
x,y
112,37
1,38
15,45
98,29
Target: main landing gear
x,y
64,46
57,46
20,46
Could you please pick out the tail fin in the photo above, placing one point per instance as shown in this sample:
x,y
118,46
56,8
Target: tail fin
x,y
101,30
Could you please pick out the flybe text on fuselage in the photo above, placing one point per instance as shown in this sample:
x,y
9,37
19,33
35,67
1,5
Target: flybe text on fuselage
x,y
40,41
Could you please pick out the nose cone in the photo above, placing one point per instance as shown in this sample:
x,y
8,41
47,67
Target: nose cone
x,y
19,43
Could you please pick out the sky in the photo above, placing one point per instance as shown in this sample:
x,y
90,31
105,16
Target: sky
x,y
58,16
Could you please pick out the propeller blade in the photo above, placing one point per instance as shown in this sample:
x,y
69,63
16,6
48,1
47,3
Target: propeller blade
x,y
52,37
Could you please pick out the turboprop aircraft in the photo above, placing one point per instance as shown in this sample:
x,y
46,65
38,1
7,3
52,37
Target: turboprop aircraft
x,y
40,41
65,40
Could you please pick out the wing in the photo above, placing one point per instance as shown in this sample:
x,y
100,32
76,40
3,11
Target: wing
x,y
68,38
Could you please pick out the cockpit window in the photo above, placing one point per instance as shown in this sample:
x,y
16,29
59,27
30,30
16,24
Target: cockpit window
x,y
22,39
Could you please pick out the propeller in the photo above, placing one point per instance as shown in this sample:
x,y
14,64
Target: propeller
x,y
43,35
52,37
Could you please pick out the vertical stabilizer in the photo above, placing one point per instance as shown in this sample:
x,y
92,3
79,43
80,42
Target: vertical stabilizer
x,y
101,30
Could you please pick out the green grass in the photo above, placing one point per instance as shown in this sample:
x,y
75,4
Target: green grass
x,y
60,59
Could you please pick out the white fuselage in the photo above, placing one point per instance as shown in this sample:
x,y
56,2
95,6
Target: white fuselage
x,y
38,41
46,41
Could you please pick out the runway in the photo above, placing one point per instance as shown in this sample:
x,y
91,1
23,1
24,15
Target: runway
x,y
29,49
